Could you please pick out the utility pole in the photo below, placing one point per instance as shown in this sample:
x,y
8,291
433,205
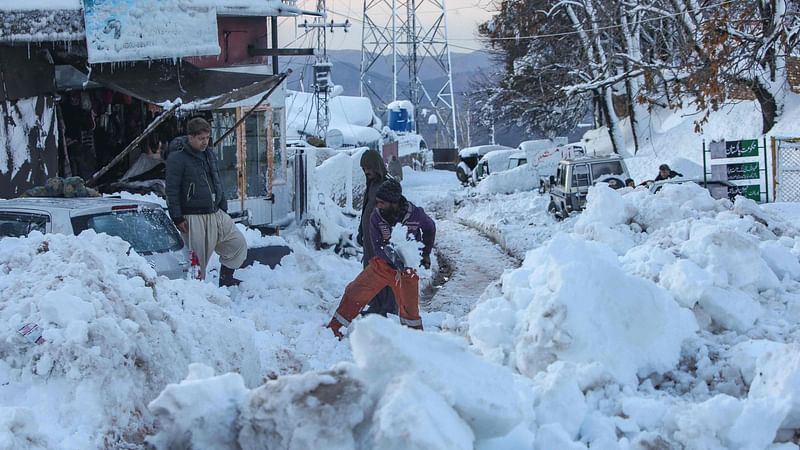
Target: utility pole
x,y
322,67
469,137
413,33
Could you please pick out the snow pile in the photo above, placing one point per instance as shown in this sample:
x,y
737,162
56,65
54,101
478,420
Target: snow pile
x,y
518,222
340,179
114,336
406,390
662,320
409,249
521,178
352,118
570,301
669,136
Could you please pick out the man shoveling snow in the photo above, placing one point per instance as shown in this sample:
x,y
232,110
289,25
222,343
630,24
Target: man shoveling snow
x,y
393,265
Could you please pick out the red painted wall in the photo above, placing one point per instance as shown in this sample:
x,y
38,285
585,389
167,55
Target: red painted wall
x,y
240,32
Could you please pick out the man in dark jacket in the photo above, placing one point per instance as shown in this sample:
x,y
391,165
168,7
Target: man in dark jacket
x,y
665,173
385,268
375,172
197,202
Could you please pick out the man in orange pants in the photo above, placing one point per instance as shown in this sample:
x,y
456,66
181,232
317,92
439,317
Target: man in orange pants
x,y
385,268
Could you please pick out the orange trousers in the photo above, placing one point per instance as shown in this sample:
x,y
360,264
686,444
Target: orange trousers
x,y
377,275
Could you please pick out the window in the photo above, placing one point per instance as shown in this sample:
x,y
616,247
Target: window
x,y
606,168
21,224
580,175
147,230
221,122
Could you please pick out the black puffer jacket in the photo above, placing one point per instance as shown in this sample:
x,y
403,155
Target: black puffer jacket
x,y
193,183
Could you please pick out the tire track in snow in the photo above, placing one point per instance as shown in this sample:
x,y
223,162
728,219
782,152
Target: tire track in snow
x,y
470,262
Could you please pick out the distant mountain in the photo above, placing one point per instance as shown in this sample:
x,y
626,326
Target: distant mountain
x,y
347,70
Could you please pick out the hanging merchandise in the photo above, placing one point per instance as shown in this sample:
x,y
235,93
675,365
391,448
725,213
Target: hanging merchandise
x,y
86,101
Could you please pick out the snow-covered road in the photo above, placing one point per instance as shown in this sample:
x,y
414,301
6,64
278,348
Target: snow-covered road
x,y
471,261
468,260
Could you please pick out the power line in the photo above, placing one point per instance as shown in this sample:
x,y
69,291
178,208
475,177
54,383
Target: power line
x,y
568,33
608,27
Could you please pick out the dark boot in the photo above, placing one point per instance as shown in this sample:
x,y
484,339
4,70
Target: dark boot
x,y
226,277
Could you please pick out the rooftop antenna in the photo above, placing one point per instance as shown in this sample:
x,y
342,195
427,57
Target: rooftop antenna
x,y
395,29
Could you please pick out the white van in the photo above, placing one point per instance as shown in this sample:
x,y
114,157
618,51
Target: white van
x,y
545,154
497,161
470,156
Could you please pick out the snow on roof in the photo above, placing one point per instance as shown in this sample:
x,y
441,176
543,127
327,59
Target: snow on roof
x,y
352,116
40,25
62,20
224,7
480,150
61,203
258,8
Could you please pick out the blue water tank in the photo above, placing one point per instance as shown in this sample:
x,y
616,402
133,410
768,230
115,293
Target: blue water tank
x,y
398,120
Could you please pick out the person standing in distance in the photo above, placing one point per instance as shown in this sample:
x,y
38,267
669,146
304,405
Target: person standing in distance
x,y
197,202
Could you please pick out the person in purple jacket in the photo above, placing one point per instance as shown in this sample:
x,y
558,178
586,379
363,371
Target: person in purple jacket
x,y
386,268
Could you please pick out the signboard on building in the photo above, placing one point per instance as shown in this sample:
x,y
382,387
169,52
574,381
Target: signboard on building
x,y
132,30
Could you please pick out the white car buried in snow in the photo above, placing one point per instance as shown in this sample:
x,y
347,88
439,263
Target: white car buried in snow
x,y
145,226
497,161
469,158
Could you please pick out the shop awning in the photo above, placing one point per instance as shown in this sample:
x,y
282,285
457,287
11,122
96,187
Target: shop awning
x,y
160,82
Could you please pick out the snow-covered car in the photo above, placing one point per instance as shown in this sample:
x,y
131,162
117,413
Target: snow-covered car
x,y
497,161
717,188
574,176
144,225
469,157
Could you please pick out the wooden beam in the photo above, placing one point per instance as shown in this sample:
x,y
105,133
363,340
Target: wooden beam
x,y
253,51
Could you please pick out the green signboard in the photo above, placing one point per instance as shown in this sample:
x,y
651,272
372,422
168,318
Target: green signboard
x,y
752,191
734,149
736,171
738,149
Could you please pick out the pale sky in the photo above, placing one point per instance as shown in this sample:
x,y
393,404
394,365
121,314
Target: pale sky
x,y
463,17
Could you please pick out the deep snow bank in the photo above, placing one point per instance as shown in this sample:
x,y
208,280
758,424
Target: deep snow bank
x,y
406,390
522,178
655,321
114,336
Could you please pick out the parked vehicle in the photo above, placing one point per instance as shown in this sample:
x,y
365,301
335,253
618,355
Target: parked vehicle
x,y
544,154
717,188
144,225
574,176
497,161
469,157
547,160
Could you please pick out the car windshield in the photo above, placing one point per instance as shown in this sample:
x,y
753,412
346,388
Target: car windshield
x,y
606,168
147,230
